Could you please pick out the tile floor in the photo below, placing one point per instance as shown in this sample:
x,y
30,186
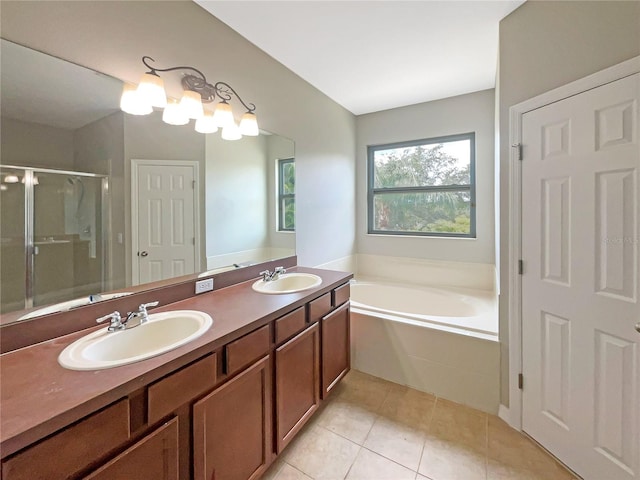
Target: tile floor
x,y
371,429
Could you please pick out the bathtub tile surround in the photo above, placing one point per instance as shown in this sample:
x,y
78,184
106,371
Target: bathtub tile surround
x,y
413,435
418,271
433,273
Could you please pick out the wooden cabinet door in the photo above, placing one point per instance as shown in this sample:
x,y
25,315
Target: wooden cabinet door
x,y
297,383
336,358
232,427
155,457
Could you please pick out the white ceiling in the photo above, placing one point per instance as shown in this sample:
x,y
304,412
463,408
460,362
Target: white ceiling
x,y
71,97
375,55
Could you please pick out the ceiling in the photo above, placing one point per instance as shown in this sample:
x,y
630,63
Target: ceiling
x,y
58,102
376,55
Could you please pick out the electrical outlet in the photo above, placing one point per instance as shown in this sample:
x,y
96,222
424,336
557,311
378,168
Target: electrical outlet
x,y
204,285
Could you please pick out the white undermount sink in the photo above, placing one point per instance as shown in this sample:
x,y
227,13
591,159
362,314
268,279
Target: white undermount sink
x,y
161,333
288,283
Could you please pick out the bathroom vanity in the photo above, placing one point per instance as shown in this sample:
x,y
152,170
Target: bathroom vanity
x,y
222,407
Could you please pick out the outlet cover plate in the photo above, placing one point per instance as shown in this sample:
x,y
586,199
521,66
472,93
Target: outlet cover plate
x,y
204,285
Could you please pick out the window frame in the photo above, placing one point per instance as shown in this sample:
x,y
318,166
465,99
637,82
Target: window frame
x,y
471,187
284,196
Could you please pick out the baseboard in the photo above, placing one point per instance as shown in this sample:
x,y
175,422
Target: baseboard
x,y
504,413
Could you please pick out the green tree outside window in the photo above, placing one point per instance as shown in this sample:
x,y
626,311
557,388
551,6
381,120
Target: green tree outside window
x,y
424,187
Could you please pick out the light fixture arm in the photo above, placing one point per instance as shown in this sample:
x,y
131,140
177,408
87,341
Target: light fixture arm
x,y
225,95
198,83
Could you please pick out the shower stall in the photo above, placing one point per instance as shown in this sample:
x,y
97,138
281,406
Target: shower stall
x,y
53,243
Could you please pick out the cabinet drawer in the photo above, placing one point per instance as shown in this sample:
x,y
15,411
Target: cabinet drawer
x,y
290,324
72,449
247,349
319,307
171,392
155,457
341,294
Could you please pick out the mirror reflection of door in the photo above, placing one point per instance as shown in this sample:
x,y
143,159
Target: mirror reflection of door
x,y
165,242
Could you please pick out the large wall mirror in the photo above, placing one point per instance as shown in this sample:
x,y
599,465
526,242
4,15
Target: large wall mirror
x,y
80,218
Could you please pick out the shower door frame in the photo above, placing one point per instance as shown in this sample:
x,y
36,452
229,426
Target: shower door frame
x,y
29,223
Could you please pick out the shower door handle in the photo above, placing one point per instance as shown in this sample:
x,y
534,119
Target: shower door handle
x,y
143,254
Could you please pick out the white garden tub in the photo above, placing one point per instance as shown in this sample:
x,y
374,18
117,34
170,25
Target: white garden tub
x,y
455,310
441,340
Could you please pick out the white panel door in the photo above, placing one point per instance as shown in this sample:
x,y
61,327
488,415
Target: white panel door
x,y
165,222
580,241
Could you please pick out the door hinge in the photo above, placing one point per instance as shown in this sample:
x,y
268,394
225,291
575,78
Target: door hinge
x,y
193,184
520,267
193,241
520,381
519,147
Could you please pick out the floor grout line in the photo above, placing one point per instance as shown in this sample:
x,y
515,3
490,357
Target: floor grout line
x,y
352,463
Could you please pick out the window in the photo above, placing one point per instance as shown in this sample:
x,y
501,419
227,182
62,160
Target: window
x,y
423,187
286,195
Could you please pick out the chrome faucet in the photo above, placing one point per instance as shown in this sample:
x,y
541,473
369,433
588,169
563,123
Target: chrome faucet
x,y
268,276
138,318
133,319
115,321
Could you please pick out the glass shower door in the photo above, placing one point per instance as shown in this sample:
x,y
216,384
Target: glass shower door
x,y
68,249
53,247
12,240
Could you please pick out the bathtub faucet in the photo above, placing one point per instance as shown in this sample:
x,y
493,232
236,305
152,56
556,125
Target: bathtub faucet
x,y
268,276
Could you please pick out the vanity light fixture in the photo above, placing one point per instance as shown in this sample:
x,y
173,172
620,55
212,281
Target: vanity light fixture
x,y
150,93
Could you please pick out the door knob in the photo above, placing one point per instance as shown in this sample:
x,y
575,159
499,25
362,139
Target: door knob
x,y
638,327
143,253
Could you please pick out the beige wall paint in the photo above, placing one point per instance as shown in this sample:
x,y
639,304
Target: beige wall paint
x,y
53,148
111,37
236,195
544,45
461,114
99,148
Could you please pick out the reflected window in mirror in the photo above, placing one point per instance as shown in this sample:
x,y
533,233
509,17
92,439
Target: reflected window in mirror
x,y
286,195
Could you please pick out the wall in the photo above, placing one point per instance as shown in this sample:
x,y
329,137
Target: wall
x,y
35,145
111,37
236,198
544,45
99,148
462,114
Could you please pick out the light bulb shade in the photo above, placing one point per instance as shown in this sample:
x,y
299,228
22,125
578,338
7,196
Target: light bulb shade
x,y
191,105
223,115
130,101
11,178
249,125
231,132
151,91
206,124
174,115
